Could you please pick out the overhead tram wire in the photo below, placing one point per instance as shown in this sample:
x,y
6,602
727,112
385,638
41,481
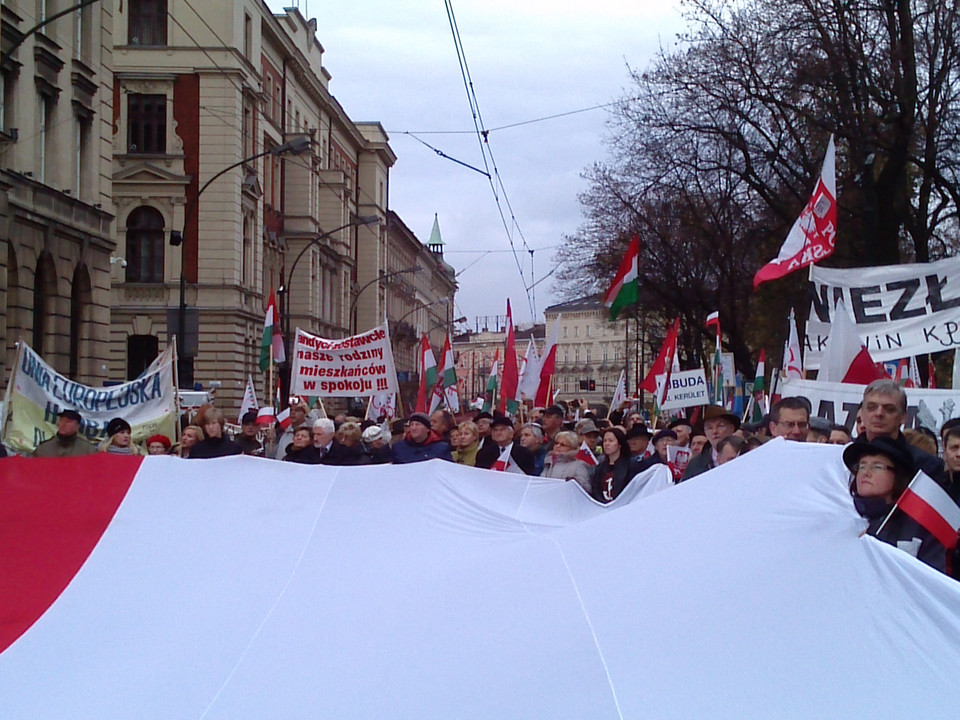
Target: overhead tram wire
x,y
505,127
484,141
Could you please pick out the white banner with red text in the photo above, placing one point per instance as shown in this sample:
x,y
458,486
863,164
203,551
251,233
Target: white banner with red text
x,y
357,366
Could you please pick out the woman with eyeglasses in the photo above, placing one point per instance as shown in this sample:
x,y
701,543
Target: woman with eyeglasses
x,y
562,462
881,470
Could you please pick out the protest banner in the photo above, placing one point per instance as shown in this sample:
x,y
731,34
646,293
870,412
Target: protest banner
x,y
37,393
838,402
687,389
900,310
357,366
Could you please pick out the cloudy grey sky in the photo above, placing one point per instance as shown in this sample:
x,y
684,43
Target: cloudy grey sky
x,y
394,61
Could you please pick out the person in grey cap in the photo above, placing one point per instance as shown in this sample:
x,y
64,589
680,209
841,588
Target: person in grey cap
x,y
420,443
67,442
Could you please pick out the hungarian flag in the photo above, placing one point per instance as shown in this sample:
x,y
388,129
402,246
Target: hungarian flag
x,y
548,364
845,358
713,320
490,392
510,380
428,375
625,289
445,391
928,503
663,363
759,385
272,337
813,235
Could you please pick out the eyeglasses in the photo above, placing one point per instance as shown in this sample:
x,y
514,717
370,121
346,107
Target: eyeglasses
x,y
873,467
791,424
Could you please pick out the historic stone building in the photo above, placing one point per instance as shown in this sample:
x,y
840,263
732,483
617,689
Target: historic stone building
x,y
210,115
56,205
475,352
591,350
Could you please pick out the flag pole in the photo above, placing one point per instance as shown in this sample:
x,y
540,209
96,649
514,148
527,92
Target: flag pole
x,y
896,504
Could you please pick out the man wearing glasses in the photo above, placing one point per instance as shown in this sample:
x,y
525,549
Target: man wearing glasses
x,y
790,419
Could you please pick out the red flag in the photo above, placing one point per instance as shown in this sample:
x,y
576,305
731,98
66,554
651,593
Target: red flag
x,y
931,374
586,454
428,375
509,377
548,364
660,365
813,235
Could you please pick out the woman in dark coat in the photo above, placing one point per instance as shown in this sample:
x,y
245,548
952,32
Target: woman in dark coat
x,y
881,470
615,470
301,450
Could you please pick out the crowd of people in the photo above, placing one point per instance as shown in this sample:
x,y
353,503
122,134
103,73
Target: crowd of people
x,y
602,455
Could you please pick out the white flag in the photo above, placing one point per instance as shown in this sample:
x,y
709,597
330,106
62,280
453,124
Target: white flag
x,y
792,367
620,394
249,401
529,373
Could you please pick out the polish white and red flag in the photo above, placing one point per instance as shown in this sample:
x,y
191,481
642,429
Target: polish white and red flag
x,y
813,235
845,357
284,418
266,415
505,462
586,454
930,505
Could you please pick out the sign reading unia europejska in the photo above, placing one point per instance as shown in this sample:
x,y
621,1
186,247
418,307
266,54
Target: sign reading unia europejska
x,y
37,393
357,366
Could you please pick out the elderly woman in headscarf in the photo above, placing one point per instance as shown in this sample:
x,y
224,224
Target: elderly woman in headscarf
x,y
562,462
881,469
118,440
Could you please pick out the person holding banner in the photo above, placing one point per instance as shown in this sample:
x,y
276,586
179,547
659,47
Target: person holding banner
x,y
717,424
501,437
215,444
881,470
562,462
420,443
67,442
615,470
118,439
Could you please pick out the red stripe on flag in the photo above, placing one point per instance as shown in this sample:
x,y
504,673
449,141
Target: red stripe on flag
x,y
924,513
52,514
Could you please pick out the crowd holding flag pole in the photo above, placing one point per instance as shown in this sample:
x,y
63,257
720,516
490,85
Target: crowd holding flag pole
x,y
445,389
490,391
271,346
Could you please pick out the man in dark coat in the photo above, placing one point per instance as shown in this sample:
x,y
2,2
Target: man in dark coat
x,y
248,434
501,440
67,442
717,425
884,411
215,443
420,443
330,450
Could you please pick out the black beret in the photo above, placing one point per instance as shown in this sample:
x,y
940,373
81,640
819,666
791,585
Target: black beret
x,y
117,425
502,421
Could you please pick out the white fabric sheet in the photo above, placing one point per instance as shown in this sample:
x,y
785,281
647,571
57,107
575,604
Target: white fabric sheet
x,y
246,588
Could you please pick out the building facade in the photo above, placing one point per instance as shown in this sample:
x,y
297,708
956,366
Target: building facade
x,y
56,203
591,351
208,112
476,350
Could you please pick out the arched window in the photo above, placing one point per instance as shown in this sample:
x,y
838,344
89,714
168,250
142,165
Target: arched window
x,y
81,300
44,300
145,246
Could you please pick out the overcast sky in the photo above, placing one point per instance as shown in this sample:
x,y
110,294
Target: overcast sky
x,y
394,61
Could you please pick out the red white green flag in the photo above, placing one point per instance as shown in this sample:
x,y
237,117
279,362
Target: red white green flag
x,y
511,379
428,375
626,288
490,394
272,338
445,391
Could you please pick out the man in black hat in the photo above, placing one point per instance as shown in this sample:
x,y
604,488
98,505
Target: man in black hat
x,y
67,442
483,421
717,425
683,429
638,438
247,440
420,443
501,436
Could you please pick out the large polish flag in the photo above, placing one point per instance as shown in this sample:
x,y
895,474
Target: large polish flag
x,y
244,588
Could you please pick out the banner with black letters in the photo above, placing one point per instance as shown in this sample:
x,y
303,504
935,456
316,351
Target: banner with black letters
x,y
899,310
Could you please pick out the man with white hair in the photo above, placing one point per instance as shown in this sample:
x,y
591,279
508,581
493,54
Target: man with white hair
x,y
331,450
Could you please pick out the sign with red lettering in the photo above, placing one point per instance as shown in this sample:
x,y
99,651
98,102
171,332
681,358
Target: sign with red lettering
x,y
357,366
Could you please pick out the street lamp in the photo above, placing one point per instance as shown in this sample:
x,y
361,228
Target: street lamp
x,y
382,276
294,145
357,222
441,301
